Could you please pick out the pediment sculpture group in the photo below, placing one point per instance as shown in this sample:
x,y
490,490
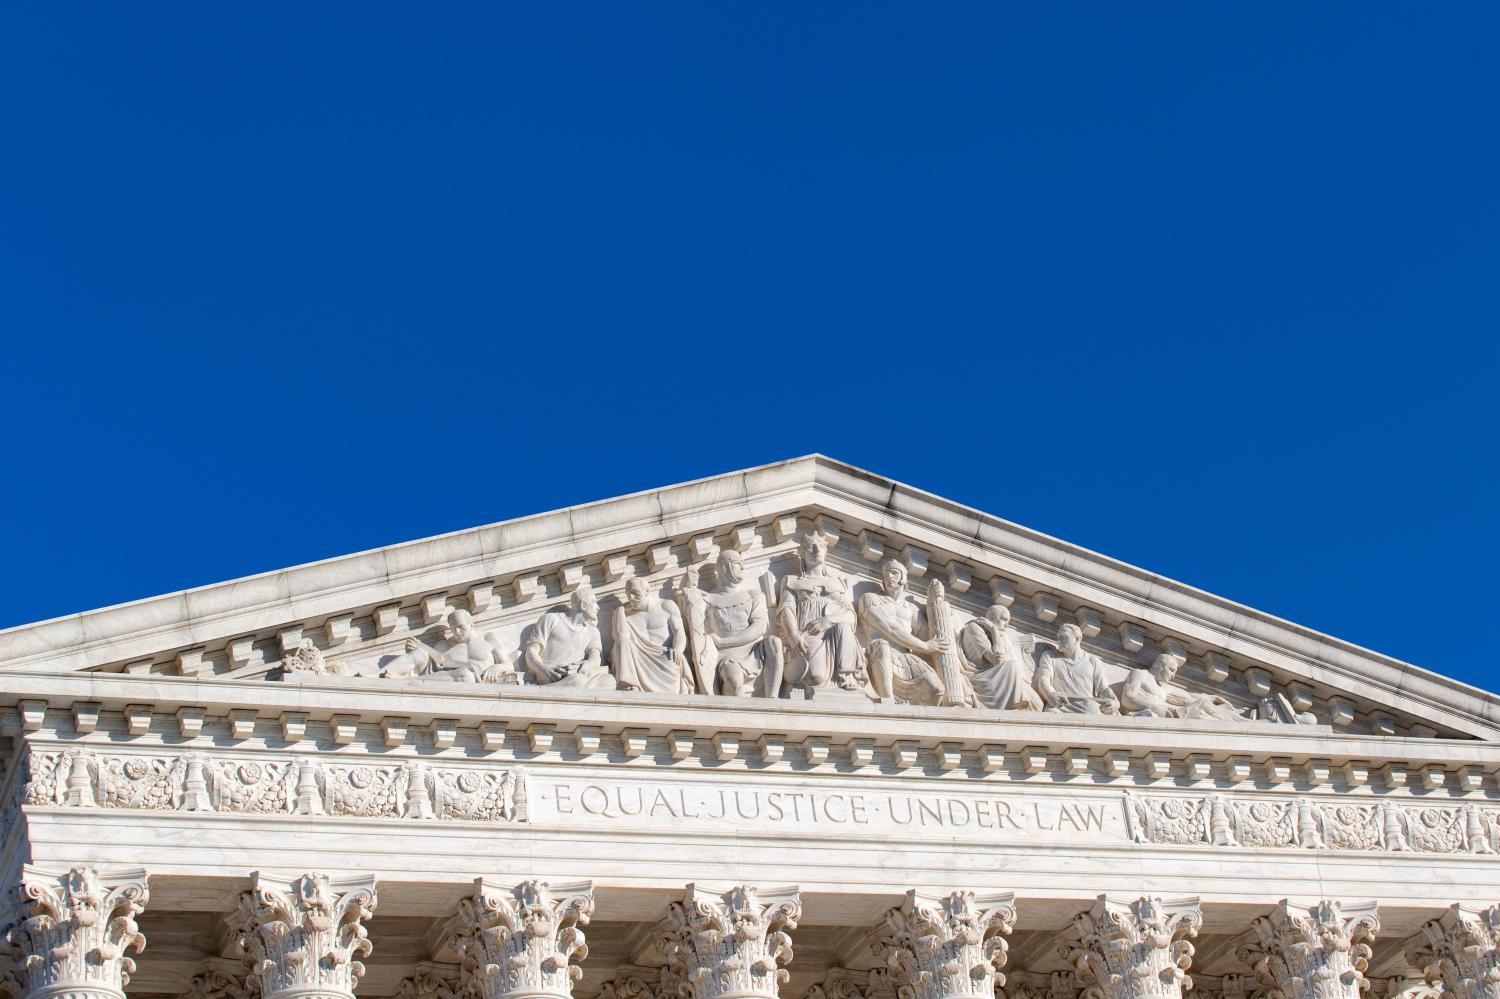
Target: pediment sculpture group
x,y
755,637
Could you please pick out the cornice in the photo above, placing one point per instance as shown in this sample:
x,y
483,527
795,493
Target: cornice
x,y
945,530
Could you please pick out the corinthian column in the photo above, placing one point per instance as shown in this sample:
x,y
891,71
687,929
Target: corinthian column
x,y
1458,950
1311,952
302,938
731,944
947,947
1134,950
71,932
516,943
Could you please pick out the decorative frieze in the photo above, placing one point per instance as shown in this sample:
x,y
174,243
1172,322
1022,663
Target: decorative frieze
x,y
946,946
198,782
302,938
1134,950
1458,950
72,932
730,944
1311,952
1302,822
518,943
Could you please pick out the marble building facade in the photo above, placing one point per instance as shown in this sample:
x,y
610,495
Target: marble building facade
x,y
797,731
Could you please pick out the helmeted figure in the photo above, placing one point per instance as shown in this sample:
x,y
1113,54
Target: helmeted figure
x,y
817,623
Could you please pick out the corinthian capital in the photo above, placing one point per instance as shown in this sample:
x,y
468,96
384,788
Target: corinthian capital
x,y
72,930
1134,950
517,943
1311,952
945,947
1458,951
302,937
733,943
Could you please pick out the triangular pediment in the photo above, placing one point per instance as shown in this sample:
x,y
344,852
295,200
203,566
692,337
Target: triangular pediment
x,y
359,614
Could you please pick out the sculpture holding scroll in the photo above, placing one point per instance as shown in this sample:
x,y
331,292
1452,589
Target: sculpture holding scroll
x,y
817,621
732,649
462,655
1071,680
1151,693
999,662
650,643
900,641
565,648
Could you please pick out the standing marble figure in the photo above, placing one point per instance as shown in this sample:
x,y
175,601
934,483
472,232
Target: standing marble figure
x,y
650,643
1072,680
816,616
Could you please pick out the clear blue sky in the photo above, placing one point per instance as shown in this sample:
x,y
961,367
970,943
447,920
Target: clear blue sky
x,y
1208,287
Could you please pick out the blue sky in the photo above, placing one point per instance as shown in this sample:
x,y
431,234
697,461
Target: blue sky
x,y
1207,287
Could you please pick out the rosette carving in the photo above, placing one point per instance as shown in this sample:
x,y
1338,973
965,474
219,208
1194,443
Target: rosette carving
x,y
1311,952
1134,950
734,943
72,930
944,947
304,937
1459,950
520,942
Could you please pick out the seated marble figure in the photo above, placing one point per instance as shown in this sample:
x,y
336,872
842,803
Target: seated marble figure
x,y
565,648
999,662
650,643
901,641
1071,680
729,627
463,655
1151,693
817,622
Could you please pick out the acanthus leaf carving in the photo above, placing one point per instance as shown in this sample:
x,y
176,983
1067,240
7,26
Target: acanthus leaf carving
x,y
1311,952
1461,951
1134,950
730,943
73,930
521,942
304,936
945,947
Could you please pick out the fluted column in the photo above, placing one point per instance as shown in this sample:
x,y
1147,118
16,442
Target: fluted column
x,y
1134,950
302,937
729,945
1311,952
948,946
1459,951
517,943
71,932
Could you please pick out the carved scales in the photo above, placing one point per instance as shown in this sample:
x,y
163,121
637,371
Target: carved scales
x,y
72,931
518,942
1134,950
949,946
732,944
302,937
1311,952
1458,950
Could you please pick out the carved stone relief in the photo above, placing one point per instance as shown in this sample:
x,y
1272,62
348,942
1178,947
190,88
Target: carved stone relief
x,y
73,932
521,942
1460,951
1134,950
731,944
1316,952
948,946
304,937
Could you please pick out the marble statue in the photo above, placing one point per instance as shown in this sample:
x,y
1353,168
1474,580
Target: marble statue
x,y
899,641
999,662
565,648
1072,680
817,622
462,655
650,643
733,650
1151,693
305,659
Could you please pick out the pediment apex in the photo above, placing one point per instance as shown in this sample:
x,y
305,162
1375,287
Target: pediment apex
x,y
512,569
